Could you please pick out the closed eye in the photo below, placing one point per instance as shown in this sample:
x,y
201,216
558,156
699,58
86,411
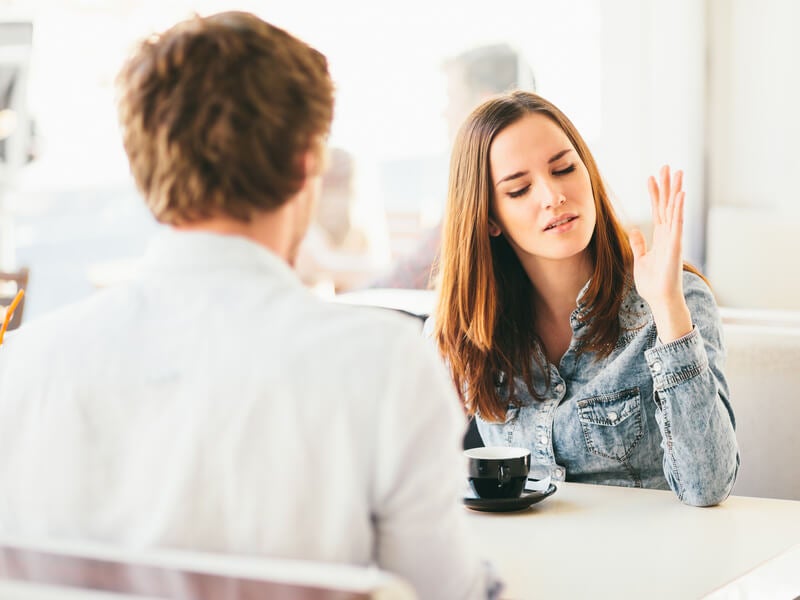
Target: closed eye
x,y
519,192
566,171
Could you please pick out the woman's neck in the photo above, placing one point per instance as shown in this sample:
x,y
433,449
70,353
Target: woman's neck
x,y
557,284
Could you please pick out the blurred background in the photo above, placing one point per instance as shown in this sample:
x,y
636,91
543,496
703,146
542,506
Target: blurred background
x,y
709,86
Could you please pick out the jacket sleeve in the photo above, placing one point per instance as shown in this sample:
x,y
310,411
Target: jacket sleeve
x,y
693,411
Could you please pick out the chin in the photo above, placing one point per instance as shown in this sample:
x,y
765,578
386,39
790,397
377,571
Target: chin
x,y
567,253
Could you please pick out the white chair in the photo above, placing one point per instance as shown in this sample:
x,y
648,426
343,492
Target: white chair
x,y
414,303
43,567
763,371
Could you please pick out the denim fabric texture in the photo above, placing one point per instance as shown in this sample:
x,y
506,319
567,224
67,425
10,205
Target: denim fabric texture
x,y
649,415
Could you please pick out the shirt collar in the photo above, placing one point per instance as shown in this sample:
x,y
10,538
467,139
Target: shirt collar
x,y
577,318
580,302
174,250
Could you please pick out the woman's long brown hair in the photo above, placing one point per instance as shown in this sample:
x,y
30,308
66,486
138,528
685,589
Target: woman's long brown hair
x,y
485,316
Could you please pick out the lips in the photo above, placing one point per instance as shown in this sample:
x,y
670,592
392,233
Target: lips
x,y
560,220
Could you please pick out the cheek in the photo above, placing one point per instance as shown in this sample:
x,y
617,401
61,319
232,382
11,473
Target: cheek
x,y
581,187
592,218
514,216
590,221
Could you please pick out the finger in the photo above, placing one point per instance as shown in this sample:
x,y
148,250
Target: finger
x,y
638,244
664,195
677,215
677,183
652,187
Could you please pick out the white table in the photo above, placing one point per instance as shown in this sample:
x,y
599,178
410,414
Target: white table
x,y
589,541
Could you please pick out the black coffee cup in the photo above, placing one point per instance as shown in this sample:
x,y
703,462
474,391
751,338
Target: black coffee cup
x,y
498,471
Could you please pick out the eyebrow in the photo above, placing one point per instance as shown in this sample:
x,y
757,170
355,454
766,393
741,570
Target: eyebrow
x,y
519,174
558,155
516,175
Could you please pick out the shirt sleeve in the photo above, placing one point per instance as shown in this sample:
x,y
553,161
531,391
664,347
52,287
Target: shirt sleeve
x,y
421,527
693,411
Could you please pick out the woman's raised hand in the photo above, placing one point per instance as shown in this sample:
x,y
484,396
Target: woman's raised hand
x,y
658,272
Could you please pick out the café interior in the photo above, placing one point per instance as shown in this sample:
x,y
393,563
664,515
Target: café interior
x,y
709,86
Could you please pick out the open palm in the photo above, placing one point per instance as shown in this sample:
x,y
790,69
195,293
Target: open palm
x,y
657,272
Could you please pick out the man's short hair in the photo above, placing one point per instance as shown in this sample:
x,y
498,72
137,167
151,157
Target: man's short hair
x,y
493,69
217,114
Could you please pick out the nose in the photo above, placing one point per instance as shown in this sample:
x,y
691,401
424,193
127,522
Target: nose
x,y
549,195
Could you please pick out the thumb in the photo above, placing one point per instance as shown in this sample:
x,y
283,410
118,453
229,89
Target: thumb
x,y
638,245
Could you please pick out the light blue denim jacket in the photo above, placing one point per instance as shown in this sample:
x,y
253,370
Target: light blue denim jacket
x,y
649,415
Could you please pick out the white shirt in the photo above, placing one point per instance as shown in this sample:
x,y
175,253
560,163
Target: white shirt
x,y
215,404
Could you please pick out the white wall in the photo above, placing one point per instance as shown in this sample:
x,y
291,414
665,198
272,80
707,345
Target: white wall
x,y
754,95
754,159
713,87
751,257
653,105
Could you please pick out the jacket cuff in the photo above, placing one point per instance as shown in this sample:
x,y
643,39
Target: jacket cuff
x,y
678,361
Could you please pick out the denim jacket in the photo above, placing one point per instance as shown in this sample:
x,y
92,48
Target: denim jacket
x,y
649,415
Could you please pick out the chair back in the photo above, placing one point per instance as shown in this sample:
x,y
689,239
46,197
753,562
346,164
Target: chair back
x,y
413,303
764,379
10,283
89,567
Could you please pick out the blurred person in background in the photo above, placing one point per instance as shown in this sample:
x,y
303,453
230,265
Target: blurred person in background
x,y
337,253
472,77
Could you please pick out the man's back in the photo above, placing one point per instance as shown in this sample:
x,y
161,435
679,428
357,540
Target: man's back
x,y
215,404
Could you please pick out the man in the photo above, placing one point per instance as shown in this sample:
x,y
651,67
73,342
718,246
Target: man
x,y
214,403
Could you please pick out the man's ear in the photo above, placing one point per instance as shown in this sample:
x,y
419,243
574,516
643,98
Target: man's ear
x,y
494,229
315,160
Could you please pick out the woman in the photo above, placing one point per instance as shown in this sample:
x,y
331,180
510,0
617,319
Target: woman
x,y
564,336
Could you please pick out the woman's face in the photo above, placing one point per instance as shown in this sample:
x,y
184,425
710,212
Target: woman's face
x,y
542,199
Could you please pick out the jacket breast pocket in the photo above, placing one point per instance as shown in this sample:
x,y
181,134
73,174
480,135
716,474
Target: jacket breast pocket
x,y
612,423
